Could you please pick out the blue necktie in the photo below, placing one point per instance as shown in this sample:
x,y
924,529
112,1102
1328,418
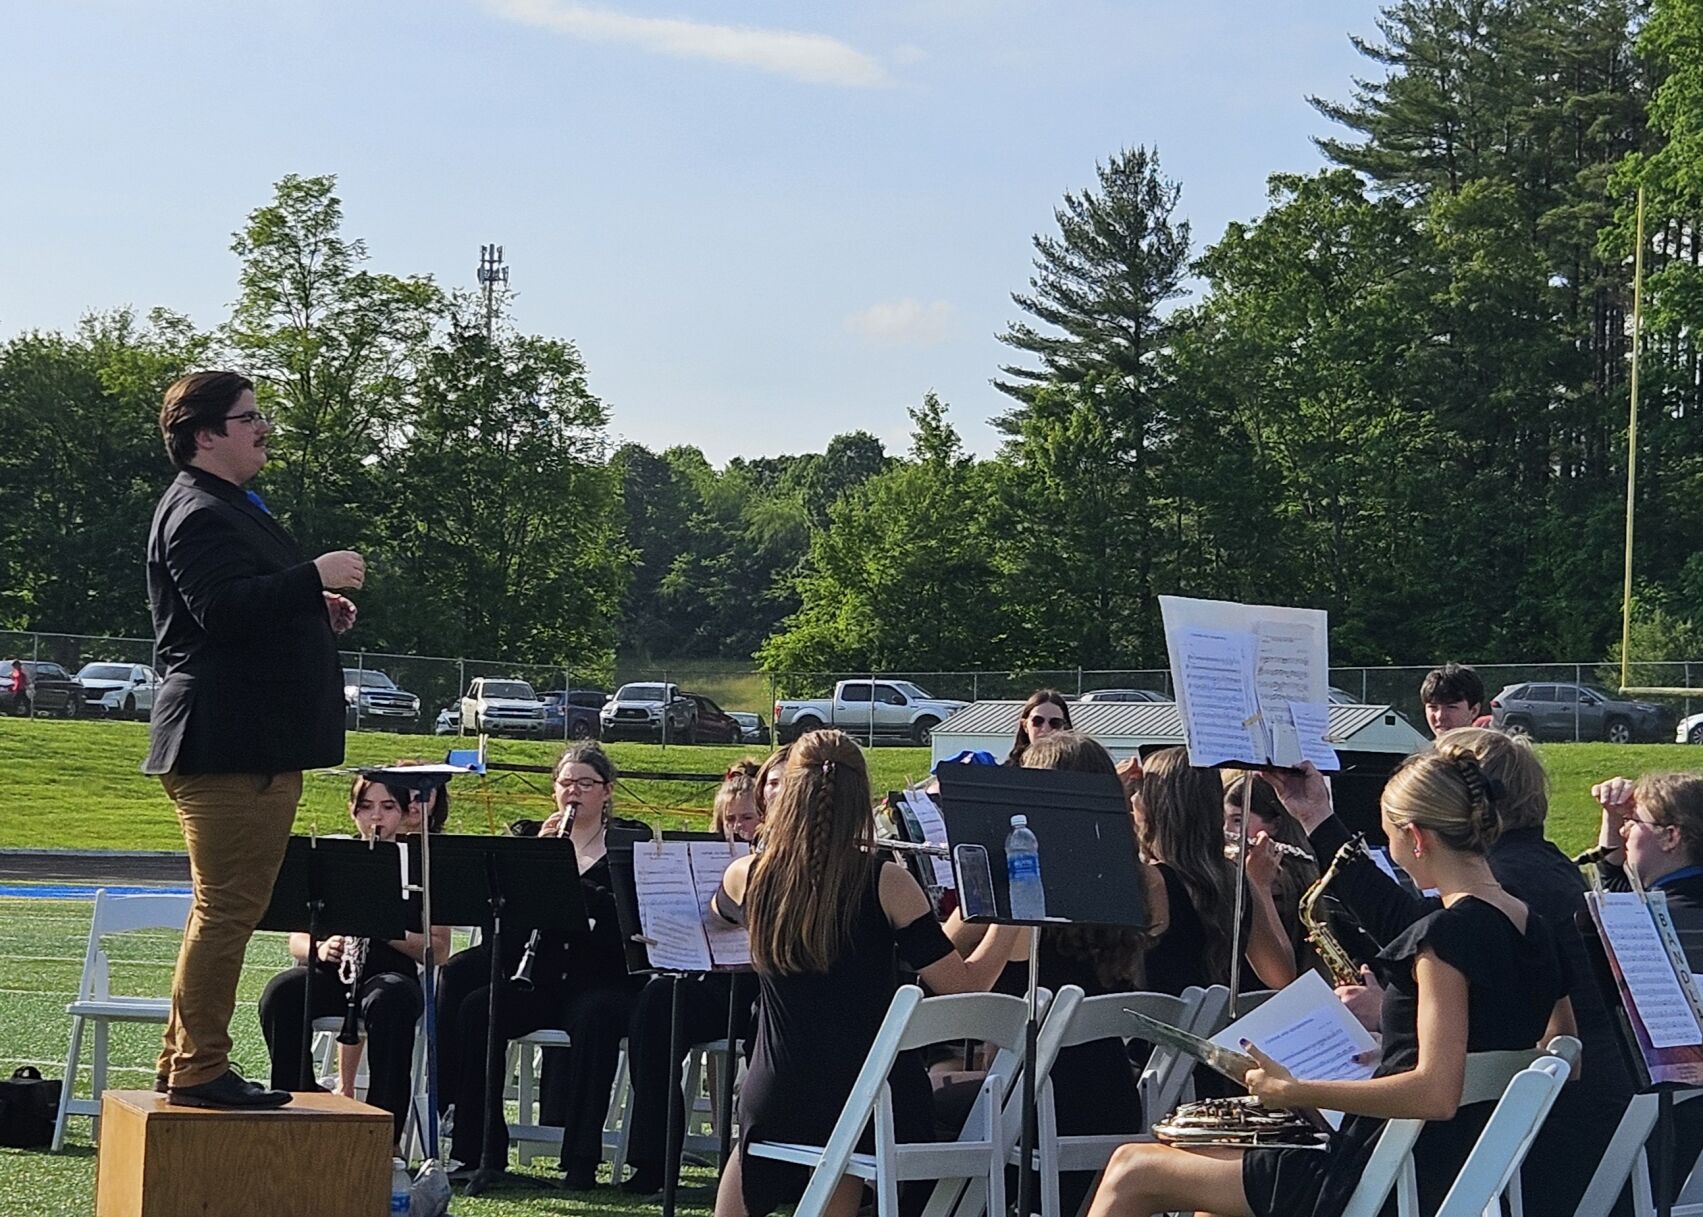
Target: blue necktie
x,y
259,502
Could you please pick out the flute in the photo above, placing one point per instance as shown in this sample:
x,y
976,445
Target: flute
x,y
907,847
1231,845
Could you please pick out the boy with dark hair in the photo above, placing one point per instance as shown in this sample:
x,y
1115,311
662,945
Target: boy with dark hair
x,y
1454,697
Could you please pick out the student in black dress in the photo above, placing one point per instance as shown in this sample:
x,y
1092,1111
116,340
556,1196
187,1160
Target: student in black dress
x,y
580,985
1479,974
704,1000
388,994
1046,711
1530,866
829,923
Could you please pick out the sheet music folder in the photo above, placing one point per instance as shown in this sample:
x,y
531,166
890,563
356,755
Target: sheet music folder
x,y
1642,971
1090,869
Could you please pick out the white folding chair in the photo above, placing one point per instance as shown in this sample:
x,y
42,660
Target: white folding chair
x,y
978,1154
325,1065
1628,1157
1488,1076
529,1135
96,1003
1492,1169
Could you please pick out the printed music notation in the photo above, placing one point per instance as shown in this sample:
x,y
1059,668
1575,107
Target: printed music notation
x,y
1647,972
675,881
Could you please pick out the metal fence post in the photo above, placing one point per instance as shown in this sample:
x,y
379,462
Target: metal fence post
x,y
1079,680
975,686
666,704
1578,678
1365,688
872,709
774,719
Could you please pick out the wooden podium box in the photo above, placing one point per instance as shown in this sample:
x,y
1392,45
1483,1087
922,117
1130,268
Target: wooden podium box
x,y
322,1156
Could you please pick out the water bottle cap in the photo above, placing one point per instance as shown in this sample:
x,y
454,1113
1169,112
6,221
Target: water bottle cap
x,y
1019,821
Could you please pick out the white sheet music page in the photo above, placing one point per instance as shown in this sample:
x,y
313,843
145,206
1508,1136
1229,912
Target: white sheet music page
x,y
669,909
1643,961
1305,1028
1311,721
933,827
730,945
1216,695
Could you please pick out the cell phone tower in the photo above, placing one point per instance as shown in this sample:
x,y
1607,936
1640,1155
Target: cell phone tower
x,y
492,271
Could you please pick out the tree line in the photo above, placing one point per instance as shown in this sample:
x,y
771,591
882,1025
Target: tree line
x,y
1399,394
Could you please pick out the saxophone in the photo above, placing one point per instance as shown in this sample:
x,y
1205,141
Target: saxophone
x,y
1342,967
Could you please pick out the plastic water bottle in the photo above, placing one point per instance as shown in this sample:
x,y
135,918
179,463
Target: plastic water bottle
x,y
1023,868
401,1188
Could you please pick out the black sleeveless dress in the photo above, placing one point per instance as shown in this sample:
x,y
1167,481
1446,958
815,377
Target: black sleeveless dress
x,y
813,1033
1513,983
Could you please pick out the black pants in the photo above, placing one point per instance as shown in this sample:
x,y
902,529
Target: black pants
x,y
390,1005
595,1021
704,1002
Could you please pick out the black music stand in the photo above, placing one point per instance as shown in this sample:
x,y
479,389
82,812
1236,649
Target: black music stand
x,y
620,852
502,884
1090,872
335,885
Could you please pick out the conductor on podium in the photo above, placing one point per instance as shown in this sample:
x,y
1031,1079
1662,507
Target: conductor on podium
x,y
252,694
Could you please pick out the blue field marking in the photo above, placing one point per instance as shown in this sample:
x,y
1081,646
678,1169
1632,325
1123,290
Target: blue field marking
x,y
81,891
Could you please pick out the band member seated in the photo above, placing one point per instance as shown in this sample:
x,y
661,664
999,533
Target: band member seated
x,y
386,987
1653,828
1046,711
705,1003
1279,878
577,984
1574,1139
829,923
1480,974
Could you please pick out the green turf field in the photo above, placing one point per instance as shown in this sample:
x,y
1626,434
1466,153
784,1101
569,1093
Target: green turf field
x,y
47,939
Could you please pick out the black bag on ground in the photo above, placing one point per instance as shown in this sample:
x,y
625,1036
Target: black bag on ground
x,y
29,1104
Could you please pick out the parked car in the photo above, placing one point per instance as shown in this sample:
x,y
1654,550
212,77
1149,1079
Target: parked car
x,y
892,710
566,717
119,690
449,720
650,710
1102,695
52,690
371,696
502,707
715,725
752,727
1564,711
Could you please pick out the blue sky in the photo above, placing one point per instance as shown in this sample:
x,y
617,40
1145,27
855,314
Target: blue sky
x,y
763,223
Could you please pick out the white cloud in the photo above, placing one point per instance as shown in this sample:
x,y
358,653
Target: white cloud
x,y
813,58
903,322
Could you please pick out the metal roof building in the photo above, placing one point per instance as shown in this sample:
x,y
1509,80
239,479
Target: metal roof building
x,y
1371,741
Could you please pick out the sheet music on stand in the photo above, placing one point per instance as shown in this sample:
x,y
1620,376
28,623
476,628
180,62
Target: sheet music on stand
x,y
922,824
674,881
1653,989
1252,682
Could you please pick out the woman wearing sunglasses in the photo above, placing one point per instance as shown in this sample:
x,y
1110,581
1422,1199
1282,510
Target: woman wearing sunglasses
x,y
1045,712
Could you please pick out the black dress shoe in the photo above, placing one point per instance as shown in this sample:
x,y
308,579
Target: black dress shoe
x,y
580,1175
227,1090
162,1084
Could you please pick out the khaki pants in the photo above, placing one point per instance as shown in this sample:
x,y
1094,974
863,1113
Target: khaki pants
x,y
236,826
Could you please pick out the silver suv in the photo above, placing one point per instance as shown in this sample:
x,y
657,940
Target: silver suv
x,y
1552,711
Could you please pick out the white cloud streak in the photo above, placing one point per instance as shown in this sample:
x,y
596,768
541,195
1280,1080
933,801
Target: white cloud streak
x,y
903,323
812,58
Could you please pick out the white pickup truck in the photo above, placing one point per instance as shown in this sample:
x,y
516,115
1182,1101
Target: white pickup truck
x,y
891,710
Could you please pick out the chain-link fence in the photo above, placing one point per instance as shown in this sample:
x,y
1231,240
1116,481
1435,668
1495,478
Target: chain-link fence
x,y
420,694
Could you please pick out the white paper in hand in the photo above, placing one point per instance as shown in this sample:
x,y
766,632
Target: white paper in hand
x,y
1305,1028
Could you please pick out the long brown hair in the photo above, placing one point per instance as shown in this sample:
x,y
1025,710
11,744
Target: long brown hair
x,y
1115,952
1040,697
805,888
1182,825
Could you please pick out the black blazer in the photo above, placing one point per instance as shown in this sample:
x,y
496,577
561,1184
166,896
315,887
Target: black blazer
x,y
251,679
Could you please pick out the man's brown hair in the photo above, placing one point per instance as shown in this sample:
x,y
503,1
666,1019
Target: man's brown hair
x,y
201,399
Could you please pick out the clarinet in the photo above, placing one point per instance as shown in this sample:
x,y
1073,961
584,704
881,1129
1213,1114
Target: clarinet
x,y
522,978
349,967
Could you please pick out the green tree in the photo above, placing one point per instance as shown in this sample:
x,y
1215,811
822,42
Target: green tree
x,y
334,348
903,577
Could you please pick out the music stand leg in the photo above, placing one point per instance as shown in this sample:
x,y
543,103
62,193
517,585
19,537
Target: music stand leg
x,y
1664,1153
1026,1167
676,1117
489,1169
304,1067
725,1099
1236,945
